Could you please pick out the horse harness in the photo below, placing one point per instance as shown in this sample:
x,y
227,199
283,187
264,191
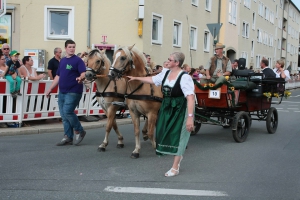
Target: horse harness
x,y
110,94
144,97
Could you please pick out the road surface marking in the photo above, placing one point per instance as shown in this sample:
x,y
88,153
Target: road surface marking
x,y
140,190
290,102
284,110
292,108
296,111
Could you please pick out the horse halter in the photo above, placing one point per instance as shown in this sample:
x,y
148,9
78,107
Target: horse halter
x,y
98,71
120,72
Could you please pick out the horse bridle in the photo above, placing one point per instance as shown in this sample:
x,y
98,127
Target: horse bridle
x,y
121,72
98,71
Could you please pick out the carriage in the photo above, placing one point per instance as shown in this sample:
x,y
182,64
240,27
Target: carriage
x,y
234,104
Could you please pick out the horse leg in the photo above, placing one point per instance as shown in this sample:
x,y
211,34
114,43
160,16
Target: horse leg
x,y
120,137
144,131
110,121
151,126
136,124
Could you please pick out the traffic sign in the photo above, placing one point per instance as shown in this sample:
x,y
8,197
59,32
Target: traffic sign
x,y
214,29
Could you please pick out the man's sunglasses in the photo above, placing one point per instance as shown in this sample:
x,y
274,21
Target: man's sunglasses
x,y
5,48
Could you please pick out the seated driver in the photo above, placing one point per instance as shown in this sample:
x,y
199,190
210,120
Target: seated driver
x,y
217,67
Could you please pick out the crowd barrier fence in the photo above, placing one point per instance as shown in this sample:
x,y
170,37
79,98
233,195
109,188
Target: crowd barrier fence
x,y
34,105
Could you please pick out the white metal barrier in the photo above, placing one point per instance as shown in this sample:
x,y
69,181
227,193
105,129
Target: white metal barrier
x,y
34,105
10,108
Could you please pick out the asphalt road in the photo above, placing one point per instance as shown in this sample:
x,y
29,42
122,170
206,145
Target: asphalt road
x,y
266,166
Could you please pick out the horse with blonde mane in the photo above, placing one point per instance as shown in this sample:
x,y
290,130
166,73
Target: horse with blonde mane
x,y
110,93
141,99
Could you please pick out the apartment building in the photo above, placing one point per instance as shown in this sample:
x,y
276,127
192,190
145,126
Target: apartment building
x,y
254,29
251,28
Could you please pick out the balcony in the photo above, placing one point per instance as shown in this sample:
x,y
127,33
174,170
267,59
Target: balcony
x,y
284,35
283,53
285,15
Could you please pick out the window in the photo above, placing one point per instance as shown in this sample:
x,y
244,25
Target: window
x,y
253,20
266,13
245,30
232,11
258,61
244,55
59,22
288,47
195,2
252,49
206,41
247,3
193,38
279,44
208,5
157,25
259,36
281,3
177,34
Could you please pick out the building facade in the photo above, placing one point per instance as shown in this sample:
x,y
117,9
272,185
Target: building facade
x,y
253,28
256,29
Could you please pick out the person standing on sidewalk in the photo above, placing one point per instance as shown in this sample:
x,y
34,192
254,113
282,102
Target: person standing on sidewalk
x,y
53,63
69,77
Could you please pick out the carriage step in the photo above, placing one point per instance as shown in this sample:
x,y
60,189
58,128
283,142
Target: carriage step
x,y
117,103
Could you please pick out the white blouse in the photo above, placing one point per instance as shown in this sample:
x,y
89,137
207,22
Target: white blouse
x,y
186,82
286,72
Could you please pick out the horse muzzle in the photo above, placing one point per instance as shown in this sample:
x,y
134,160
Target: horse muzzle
x,y
115,73
90,75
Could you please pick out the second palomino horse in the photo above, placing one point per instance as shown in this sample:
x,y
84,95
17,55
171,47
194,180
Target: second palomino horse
x,y
141,99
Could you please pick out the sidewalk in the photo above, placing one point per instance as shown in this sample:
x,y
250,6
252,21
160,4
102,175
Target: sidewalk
x,y
54,125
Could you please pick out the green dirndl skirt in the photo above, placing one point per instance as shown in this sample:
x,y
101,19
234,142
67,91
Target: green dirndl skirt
x,y
171,134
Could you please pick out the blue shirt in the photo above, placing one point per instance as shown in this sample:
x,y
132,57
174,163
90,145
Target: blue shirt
x,y
69,69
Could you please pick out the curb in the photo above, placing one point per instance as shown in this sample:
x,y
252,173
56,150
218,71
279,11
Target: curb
x,y
57,127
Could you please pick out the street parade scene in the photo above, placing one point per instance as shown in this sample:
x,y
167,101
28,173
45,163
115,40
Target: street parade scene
x,y
149,99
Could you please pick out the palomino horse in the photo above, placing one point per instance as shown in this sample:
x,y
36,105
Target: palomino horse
x,y
141,99
108,91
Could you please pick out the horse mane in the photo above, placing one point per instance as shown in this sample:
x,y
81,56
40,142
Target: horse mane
x,y
136,51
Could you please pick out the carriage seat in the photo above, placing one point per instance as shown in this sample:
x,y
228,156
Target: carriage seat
x,y
242,79
241,84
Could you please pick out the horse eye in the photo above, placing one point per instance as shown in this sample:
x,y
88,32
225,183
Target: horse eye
x,y
98,61
123,58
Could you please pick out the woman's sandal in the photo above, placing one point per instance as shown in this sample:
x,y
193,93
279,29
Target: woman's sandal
x,y
171,173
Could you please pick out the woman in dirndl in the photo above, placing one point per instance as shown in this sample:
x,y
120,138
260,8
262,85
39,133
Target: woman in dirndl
x,y
175,118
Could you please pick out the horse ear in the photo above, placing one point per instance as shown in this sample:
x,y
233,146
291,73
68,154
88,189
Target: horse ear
x,y
131,47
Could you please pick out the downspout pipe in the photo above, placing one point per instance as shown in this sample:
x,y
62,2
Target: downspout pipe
x,y
219,17
89,24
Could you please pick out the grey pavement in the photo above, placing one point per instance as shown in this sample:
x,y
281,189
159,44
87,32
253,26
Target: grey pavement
x,y
54,125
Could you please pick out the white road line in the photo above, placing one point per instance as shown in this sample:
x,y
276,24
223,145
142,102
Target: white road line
x,y
296,111
290,102
292,108
279,108
140,190
284,110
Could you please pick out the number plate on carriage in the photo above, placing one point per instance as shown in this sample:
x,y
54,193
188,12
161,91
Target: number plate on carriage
x,y
214,94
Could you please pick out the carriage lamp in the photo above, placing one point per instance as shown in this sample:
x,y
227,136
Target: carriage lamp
x,y
140,28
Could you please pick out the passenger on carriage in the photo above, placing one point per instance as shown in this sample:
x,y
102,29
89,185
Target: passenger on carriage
x,y
268,73
217,67
280,71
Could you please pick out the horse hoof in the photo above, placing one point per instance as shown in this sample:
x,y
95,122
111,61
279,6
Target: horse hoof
x,y
101,149
135,155
145,138
120,146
